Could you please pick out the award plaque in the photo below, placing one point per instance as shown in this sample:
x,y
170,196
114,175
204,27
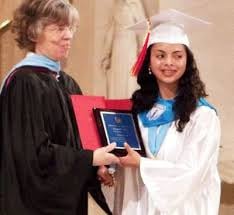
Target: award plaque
x,y
119,126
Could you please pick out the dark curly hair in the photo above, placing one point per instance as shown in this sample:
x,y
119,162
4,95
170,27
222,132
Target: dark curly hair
x,y
190,89
32,16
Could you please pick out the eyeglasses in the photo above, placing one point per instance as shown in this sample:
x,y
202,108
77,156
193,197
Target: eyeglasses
x,y
61,29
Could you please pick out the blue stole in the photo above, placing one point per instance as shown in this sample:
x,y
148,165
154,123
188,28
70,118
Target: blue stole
x,y
33,59
159,119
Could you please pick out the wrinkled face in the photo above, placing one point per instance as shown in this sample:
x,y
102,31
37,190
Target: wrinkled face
x,y
168,63
54,41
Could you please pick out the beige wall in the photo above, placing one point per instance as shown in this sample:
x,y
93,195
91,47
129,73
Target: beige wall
x,y
80,61
9,53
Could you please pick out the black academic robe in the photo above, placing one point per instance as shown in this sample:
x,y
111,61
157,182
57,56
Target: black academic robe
x,y
43,167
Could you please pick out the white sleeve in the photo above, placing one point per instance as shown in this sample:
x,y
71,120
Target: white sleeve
x,y
169,184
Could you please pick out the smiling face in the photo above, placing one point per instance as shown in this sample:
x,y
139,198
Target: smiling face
x,y
54,41
168,64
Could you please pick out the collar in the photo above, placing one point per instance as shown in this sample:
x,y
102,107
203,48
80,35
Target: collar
x,y
162,112
33,59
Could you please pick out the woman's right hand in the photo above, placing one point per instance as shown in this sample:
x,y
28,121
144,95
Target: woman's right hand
x,y
102,156
132,159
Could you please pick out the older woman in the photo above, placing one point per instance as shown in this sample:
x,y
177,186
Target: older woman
x,y
43,167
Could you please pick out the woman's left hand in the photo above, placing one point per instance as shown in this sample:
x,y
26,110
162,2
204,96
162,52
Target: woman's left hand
x,y
105,177
132,159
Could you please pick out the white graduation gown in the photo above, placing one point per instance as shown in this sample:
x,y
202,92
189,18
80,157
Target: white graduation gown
x,y
183,179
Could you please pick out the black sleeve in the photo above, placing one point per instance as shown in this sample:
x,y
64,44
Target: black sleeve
x,y
40,174
94,186
70,85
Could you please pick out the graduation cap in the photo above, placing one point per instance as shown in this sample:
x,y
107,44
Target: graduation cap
x,y
169,26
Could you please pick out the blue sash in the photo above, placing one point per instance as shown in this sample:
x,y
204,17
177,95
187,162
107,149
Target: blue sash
x,y
33,59
159,119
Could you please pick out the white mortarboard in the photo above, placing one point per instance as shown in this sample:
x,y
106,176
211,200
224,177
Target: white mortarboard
x,y
169,26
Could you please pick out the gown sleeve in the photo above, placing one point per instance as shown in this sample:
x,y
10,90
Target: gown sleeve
x,y
94,186
42,171
69,84
170,183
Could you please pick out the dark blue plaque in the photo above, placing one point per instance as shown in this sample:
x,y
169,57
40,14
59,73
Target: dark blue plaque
x,y
120,127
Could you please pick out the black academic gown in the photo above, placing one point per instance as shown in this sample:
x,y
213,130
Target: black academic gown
x,y
43,168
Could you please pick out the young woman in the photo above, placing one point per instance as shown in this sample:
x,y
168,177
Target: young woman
x,y
44,169
180,131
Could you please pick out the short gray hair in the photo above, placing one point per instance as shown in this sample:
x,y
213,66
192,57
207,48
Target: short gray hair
x,y
32,16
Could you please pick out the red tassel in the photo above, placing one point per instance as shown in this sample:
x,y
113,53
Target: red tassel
x,y
138,64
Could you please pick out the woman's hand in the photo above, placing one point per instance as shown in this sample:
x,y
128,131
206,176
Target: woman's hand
x,y
105,177
101,156
132,159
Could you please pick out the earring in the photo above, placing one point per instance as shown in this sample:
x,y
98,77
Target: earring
x,y
149,71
